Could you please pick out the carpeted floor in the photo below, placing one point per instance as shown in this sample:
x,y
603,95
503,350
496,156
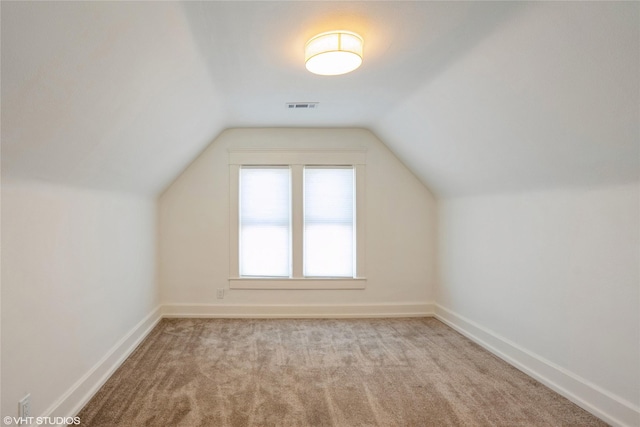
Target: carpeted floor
x,y
321,372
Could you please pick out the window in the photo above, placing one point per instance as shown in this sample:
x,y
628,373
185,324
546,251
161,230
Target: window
x,y
297,220
328,222
265,222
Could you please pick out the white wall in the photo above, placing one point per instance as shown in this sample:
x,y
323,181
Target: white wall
x,y
78,273
194,226
556,273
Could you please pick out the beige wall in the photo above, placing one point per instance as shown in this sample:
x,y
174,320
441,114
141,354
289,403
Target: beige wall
x,y
78,273
557,274
194,226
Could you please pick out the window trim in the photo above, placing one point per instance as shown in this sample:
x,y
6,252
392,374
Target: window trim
x,y
296,160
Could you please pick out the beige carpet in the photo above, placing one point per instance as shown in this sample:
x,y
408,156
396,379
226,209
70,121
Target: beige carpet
x,y
361,372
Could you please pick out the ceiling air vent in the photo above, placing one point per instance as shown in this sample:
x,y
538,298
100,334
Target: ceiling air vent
x,y
301,105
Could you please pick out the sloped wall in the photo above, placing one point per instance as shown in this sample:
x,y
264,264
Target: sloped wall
x,y
194,231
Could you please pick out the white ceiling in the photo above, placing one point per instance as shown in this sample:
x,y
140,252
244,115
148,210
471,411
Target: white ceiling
x,y
474,97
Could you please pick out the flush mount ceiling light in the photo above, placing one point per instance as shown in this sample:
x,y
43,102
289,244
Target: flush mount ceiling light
x,y
333,53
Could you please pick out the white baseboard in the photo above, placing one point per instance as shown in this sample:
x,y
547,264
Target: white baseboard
x,y
83,390
603,404
298,311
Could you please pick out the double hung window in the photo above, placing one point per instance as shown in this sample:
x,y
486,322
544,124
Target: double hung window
x,y
329,231
265,221
298,224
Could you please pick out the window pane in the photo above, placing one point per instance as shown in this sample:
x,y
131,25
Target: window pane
x,y
328,222
265,251
265,221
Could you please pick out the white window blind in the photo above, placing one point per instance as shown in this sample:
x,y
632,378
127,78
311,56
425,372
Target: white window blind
x,y
265,221
329,207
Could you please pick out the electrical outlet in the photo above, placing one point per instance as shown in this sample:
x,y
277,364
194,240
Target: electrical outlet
x,y
24,406
220,293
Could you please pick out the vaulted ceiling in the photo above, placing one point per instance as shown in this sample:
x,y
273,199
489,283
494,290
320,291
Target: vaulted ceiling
x,y
474,97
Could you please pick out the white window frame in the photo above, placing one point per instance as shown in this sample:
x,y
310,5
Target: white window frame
x,y
297,160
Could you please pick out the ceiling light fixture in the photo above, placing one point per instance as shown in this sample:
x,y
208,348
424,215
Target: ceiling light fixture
x,y
333,53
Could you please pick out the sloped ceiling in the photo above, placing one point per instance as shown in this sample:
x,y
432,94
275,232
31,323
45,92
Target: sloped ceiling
x,y
474,97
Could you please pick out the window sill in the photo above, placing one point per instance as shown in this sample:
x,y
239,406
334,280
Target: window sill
x,y
296,283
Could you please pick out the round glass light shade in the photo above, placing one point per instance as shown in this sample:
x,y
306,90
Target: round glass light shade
x,y
333,53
